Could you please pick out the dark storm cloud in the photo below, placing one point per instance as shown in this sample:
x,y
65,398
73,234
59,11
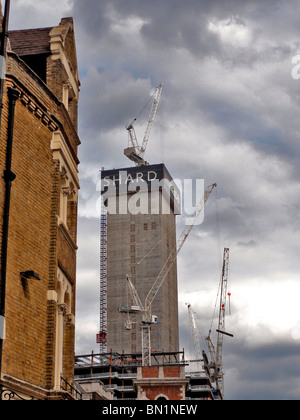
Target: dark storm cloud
x,y
166,28
111,102
261,370
231,116
179,24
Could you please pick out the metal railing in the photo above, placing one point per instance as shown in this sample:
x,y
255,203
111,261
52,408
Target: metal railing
x,y
7,394
66,386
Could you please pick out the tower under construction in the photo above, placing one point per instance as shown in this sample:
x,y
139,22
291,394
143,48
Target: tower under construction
x,y
138,236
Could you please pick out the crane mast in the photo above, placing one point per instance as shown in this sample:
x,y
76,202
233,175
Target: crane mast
x,y
151,119
216,365
136,152
147,318
221,324
195,334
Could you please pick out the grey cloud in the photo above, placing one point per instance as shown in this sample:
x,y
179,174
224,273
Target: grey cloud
x,y
112,101
268,371
250,243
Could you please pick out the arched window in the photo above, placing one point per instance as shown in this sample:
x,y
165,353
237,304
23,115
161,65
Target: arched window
x,y
161,397
63,311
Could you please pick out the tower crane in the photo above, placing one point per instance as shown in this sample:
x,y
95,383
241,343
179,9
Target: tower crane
x,y
147,318
216,366
195,334
135,152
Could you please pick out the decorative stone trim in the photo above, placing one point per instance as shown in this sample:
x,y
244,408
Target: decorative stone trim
x,y
52,295
62,308
15,389
38,111
70,318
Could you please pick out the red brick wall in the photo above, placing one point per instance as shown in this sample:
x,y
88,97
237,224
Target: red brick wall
x,y
171,392
150,372
153,388
28,249
35,240
171,371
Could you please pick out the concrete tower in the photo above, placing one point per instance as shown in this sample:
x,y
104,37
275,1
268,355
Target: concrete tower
x,y
141,234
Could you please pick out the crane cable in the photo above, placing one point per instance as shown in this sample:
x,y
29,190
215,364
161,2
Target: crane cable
x,y
213,317
142,110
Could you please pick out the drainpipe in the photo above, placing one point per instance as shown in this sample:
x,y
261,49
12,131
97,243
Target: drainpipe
x,y
3,51
9,177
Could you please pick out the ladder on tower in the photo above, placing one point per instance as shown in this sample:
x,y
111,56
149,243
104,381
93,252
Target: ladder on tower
x,y
102,336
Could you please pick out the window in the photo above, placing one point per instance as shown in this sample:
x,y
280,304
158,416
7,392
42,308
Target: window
x,y
161,397
67,196
69,183
63,315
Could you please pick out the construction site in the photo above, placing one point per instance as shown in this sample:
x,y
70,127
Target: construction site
x,y
139,355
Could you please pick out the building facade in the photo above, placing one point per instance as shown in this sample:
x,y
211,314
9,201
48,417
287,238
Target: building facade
x,y
141,235
123,377
40,103
161,383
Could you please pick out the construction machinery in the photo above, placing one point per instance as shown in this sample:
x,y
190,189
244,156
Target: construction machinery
x,y
136,152
216,365
147,318
195,334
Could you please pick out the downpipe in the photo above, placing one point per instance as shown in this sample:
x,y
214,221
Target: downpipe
x,y
9,177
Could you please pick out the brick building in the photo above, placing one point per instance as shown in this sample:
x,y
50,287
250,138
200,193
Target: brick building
x,y
40,103
161,382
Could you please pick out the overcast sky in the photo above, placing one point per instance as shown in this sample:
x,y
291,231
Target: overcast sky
x,y
229,114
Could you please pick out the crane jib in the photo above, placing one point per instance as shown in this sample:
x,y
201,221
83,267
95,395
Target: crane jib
x,y
225,333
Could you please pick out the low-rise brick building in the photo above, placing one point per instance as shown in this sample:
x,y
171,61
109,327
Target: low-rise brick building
x,y
126,378
37,289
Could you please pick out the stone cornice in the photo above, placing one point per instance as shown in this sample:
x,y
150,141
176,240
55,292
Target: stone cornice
x,y
35,107
19,85
40,111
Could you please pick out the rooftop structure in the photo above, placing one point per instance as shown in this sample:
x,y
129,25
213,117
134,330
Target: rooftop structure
x,y
127,379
